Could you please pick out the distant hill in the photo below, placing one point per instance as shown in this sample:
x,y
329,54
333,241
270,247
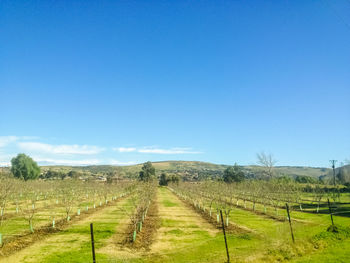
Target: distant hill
x,y
189,170
294,171
344,171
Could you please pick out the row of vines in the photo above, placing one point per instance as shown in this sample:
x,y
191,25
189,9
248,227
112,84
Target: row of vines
x,y
141,200
266,197
29,205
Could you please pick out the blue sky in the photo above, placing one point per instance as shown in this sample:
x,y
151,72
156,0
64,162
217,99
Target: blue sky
x,y
122,82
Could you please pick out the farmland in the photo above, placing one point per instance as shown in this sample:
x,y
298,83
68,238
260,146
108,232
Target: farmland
x,y
135,221
174,131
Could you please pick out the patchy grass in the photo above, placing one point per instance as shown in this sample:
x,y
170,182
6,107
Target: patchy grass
x,y
185,236
167,203
73,244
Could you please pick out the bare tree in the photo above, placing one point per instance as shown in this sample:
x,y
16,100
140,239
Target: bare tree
x,y
140,201
28,207
318,194
68,198
6,187
267,162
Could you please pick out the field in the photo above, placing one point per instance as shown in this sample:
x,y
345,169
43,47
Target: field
x,y
174,131
142,222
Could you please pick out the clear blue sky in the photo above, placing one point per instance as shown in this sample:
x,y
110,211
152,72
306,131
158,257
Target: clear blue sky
x,y
118,82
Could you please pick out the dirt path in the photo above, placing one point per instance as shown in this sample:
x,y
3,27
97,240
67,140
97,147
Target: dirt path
x,y
180,226
73,244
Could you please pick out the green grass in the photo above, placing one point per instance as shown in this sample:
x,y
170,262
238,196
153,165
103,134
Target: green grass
x,y
73,244
168,203
102,231
176,232
269,241
188,240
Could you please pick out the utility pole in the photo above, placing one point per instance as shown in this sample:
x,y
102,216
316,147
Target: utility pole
x,y
333,167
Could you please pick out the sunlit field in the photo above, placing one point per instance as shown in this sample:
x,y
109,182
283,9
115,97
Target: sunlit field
x,y
135,221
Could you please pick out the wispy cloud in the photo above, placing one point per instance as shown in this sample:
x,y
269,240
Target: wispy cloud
x,y
5,140
125,149
5,159
60,149
51,161
154,150
116,162
168,151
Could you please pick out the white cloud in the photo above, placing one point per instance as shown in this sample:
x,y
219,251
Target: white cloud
x,y
5,140
60,149
116,162
50,161
154,150
168,151
125,149
5,159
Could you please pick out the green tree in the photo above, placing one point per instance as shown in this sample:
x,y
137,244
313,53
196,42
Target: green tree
x,y
24,167
233,174
163,180
148,172
175,179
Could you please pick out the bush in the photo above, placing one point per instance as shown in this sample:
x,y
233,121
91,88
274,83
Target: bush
x,y
163,181
233,174
24,167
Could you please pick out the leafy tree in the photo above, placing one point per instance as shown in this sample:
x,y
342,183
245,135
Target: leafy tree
x,y
233,174
148,172
163,180
24,167
174,179
50,174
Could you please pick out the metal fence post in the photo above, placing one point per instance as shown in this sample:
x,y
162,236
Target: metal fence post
x,y
92,243
223,229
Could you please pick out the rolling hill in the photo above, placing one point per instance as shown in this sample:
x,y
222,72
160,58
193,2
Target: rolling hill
x,y
189,170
